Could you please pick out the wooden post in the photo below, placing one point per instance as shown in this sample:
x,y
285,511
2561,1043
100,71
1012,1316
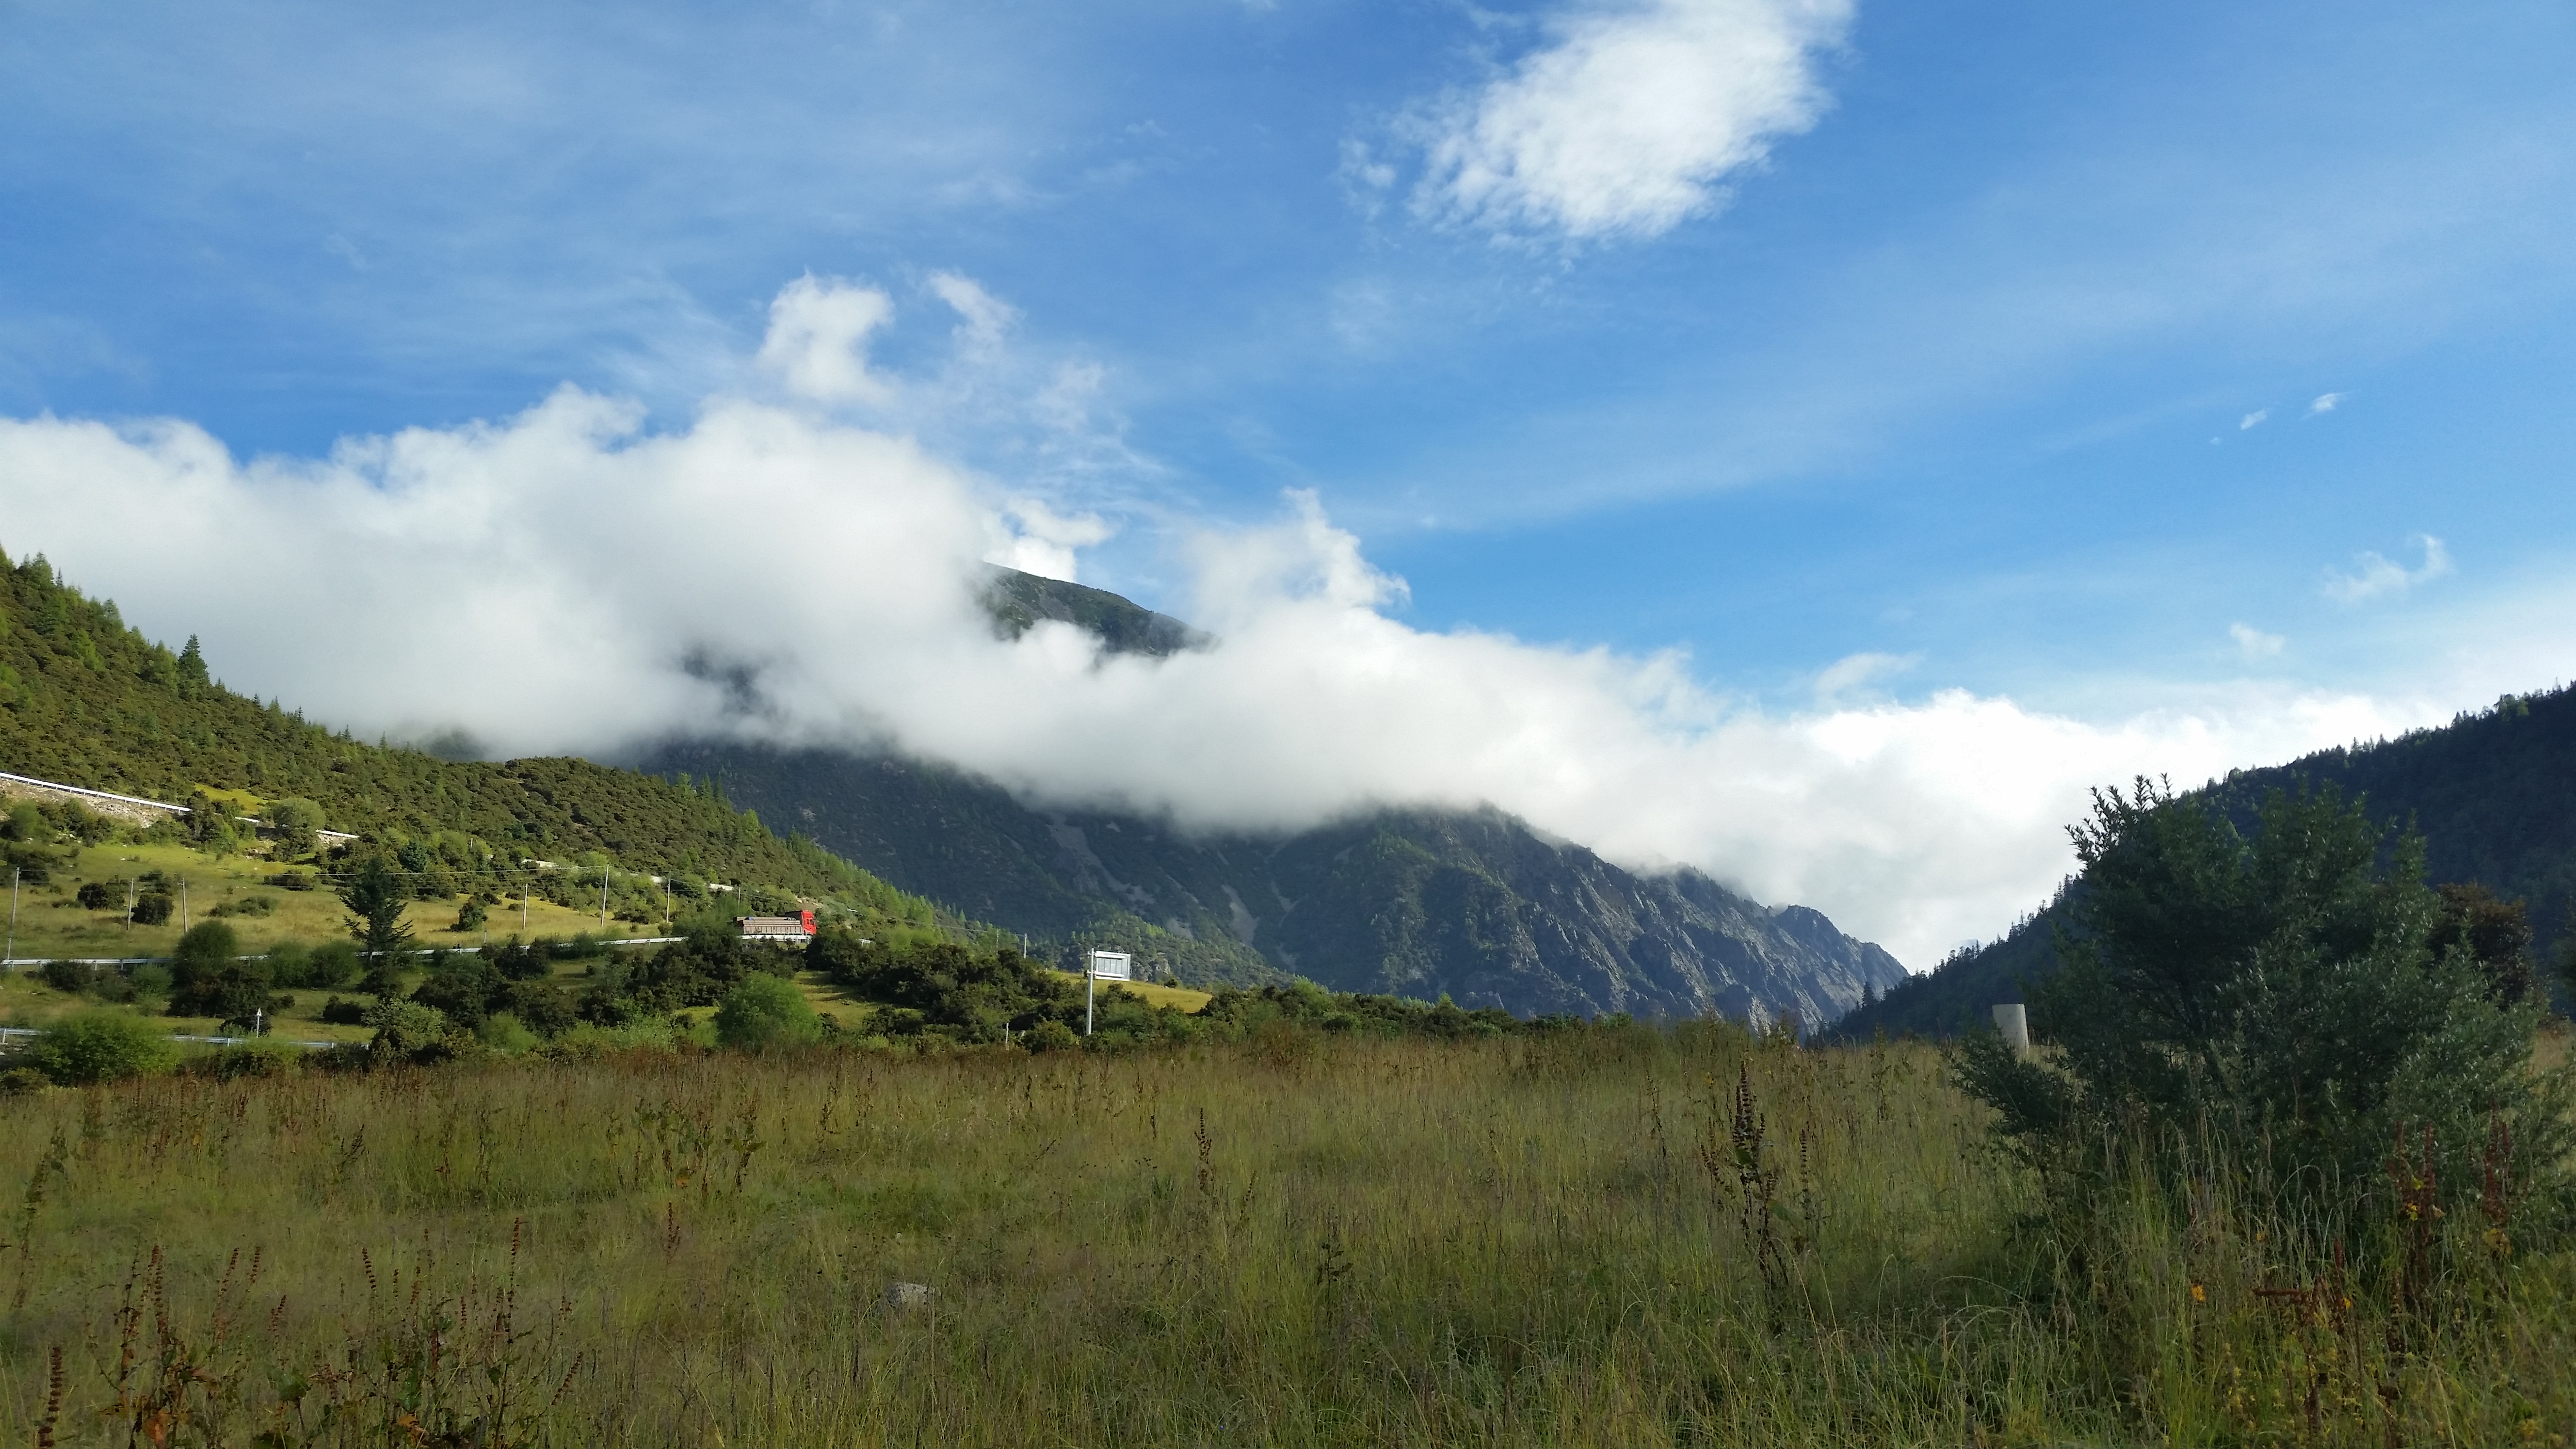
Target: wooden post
x,y
2013,1020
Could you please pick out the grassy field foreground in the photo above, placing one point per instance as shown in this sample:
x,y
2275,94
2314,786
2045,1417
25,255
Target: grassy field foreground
x,y
1619,1236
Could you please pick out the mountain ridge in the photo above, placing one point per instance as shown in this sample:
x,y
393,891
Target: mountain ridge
x,y
2493,793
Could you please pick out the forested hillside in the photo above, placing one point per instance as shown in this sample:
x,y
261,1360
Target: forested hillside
x,y
2493,793
86,700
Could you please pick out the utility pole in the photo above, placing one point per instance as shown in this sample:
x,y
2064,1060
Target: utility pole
x,y
183,905
12,948
524,887
603,898
129,908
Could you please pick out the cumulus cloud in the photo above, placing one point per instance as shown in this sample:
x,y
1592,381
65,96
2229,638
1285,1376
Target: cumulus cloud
x,y
2253,643
2253,419
2325,403
1632,115
2373,576
1854,673
1038,540
817,342
569,580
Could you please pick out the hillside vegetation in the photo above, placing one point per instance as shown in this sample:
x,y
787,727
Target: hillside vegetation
x,y
85,700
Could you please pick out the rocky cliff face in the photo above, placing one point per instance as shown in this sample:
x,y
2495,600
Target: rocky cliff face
x,y
1471,904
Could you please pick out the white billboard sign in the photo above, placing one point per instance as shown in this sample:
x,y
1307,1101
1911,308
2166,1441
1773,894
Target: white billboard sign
x,y
1111,965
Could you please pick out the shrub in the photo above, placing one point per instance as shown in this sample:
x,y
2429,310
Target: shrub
x,y
259,1057
333,963
206,946
503,1032
209,978
541,1006
470,917
247,906
102,895
766,1011
66,975
101,1046
293,820
2279,992
409,1031
340,1011
23,1081
1050,1036
289,963
152,908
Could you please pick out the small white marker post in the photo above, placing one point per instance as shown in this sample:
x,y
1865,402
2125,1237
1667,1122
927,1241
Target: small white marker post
x,y
1113,964
2014,1022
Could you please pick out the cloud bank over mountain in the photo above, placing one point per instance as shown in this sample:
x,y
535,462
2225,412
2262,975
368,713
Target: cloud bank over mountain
x,y
570,580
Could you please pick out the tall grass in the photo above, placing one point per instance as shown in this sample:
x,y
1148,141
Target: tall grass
x,y
1621,1236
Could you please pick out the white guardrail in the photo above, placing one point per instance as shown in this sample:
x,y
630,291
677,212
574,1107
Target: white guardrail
x,y
9,1033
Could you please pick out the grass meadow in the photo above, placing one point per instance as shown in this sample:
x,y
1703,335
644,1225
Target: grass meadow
x,y
51,924
1619,1236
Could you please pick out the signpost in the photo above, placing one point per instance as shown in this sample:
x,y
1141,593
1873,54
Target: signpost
x,y
1115,965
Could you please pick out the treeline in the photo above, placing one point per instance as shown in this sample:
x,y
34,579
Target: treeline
x,y
2492,795
942,992
87,700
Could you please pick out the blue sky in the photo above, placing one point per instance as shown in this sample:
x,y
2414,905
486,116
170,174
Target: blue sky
x,y
1972,347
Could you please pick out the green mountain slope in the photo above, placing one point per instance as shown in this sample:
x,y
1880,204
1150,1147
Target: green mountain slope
x,y
85,700
2493,794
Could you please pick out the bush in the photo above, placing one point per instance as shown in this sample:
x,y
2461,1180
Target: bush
x,y
293,820
408,1031
255,1058
333,963
101,1046
340,1011
23,1081
153,908
2279,992
66,975
1050,1036
102,895
470,917
247,906
503,1032
765,1012
209,978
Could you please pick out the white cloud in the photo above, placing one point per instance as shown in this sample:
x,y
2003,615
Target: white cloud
x,y
566,580
2373,575
1043,540
2253,419
817,342
1631,117
983,318
1854,673
2325,403
2253,643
